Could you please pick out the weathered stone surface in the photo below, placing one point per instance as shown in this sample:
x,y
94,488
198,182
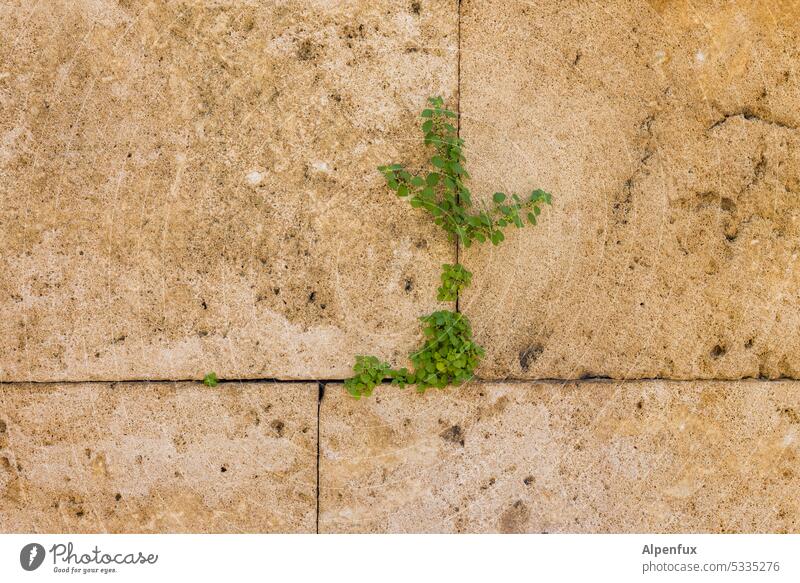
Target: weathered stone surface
x,y
162,457
668,135
187,186
636,456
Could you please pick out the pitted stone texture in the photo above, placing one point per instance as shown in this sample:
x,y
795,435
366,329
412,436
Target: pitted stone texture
x,y
187,186
634,456
668,135
161,457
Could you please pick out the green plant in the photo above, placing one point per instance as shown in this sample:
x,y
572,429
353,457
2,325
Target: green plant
x,y
442,191
211,380
368,372
454,279
448,354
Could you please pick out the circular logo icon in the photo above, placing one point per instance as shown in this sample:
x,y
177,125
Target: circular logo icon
x,y
31,556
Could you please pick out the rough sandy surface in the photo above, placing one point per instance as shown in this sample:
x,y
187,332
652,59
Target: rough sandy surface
x,y
193,186
563,457
158,457
669,135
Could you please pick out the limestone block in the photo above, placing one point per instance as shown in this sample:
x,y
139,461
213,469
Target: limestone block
x,y
593,456
187,186
157,458
667,133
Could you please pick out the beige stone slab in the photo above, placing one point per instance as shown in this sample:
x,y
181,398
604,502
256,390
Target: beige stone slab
x,y
636,456
667,133
188,186
161,457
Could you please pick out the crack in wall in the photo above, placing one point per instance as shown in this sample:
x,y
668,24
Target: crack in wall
x,y
320,395
749,115
458,123
475,379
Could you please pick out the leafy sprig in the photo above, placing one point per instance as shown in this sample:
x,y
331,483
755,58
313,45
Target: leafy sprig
x,y
454,279
444,195
448,355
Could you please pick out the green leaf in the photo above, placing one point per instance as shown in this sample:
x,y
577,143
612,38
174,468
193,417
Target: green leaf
x,y
211,380
448,354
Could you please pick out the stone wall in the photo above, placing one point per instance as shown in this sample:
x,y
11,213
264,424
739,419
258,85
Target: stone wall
x,y
191,186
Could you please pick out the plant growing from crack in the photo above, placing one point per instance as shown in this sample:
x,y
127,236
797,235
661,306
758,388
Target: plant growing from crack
x,y
448,355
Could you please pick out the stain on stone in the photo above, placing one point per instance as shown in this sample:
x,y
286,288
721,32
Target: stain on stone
x,y
727,204
515,518
278,426
453,434
529,356
416,7
3,426
307,50
793,415
352,32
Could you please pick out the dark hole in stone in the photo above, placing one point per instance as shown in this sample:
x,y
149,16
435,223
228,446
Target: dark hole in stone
x,y
3,426
278,426
453,434
727,204
529,356
306,51
312,296
223,469
639,405
416,7
749,343
118,497
528,481
718,351
409,285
